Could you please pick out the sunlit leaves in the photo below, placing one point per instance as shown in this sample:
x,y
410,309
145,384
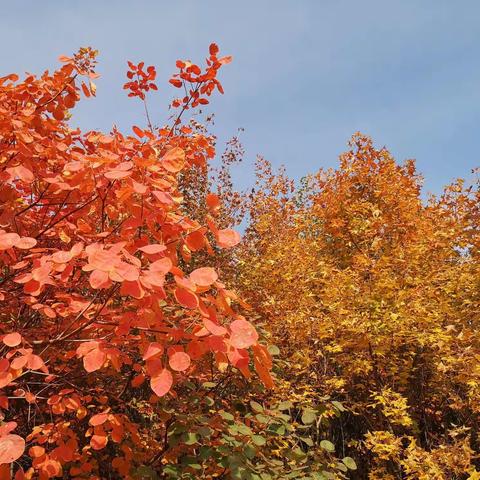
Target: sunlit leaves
x,y
204,276
12,339
11,448
355,274
243,334
179,361
174,160
162,383
106,301
227,238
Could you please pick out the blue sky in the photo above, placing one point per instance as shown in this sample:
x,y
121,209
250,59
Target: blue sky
x,y
306,73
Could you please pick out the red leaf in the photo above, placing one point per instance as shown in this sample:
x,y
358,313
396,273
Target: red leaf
x,y
97,442
179,361
185,298
94,360
162,383
243,334
153,349
174,160
204,277
12,339
98,419
227,238
11,448
213,49
153,248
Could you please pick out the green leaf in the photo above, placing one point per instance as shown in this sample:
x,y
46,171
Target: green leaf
x,y
327,445
244,430
205,452
190,438
285,405
259,440
209,385
307,440
250,451
308,416
226,415
350,463
318,476
262,418
277,428
205,431
256,407
273,350
170,470
338,406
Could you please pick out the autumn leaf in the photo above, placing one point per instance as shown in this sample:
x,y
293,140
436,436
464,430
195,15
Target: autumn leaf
x,y
11,448
227,238
162,383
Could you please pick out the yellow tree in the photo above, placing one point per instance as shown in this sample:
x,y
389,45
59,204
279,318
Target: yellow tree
x,y
373,294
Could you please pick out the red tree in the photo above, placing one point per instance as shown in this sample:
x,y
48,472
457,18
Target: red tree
x,y
96,294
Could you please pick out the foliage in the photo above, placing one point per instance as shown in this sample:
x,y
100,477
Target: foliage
x,y
107,326
372,293
350,351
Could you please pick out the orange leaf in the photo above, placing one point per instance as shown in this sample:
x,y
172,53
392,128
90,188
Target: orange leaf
x,y
174,160
243,334
36,451
204,277
94,360
97,442
212,201
85,90
99,279
227,238
98,419
25,243
34,362
153,248
225,60
185,298
162,383
195,240
152,350
11,448
12,339
138,131
179,361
